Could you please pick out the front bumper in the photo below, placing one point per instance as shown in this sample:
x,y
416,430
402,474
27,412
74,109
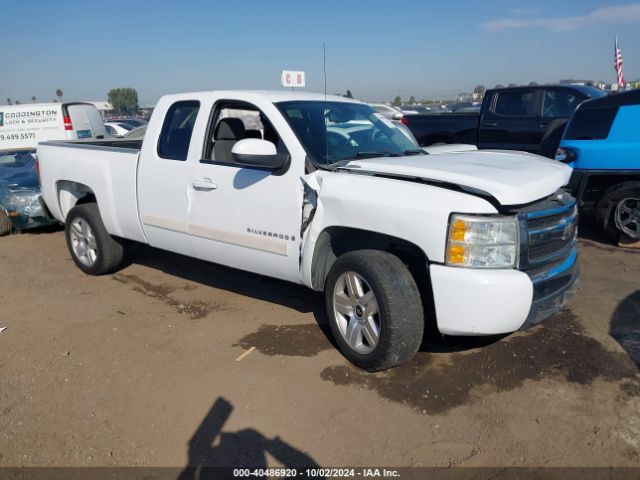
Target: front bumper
x,y
552,289
491,302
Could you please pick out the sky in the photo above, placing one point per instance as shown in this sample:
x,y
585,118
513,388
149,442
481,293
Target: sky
x,y
376,49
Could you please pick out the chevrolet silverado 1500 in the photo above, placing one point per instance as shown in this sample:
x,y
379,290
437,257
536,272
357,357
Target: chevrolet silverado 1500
x,y
324,192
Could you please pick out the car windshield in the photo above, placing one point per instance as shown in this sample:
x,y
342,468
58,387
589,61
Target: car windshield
x,y
18,168
591,92
332,132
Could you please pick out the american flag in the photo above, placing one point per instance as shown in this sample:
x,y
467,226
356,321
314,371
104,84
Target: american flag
x,y
618,65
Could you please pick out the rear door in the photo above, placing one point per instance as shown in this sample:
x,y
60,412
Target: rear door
x,y
96,122
559,103
165,174
512,121
80,124
86,121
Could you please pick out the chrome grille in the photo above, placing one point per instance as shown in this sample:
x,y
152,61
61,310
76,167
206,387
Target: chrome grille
x,y
547,234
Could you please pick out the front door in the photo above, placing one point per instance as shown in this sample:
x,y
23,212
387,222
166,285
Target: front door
x,y
244,217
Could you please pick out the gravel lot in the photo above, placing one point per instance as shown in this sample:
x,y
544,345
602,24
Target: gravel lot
x,y
139,368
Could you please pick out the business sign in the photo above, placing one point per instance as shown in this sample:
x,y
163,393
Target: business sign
x,y
292,78
23,126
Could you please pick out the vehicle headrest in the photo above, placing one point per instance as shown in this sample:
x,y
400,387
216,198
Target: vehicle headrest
x,y
230,129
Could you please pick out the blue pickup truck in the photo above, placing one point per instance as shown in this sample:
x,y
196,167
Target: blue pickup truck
x,y
602,144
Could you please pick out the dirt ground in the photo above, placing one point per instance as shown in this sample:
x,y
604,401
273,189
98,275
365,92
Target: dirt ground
x,y
139,368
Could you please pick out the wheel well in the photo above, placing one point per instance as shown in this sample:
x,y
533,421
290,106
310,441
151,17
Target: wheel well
x,y
71,194
597,185
335,241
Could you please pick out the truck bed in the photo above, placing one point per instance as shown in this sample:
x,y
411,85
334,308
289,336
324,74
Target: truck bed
x,y
114,143
105,169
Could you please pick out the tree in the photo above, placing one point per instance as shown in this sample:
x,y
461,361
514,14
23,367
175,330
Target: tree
x,y
499,86
533,84
349,94
479,89
397,101
8,101
512,85
33,99
412,100
59,94
17,102
124,100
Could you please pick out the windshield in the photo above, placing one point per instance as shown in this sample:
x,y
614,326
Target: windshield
x,y
18,168
591,92
332,132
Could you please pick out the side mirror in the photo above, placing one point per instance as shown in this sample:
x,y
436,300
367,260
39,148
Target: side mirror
x,y
397,116
254,152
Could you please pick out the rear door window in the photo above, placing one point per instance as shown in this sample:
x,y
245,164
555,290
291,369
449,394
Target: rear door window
x,y
177,129
516,103
591,124
559,104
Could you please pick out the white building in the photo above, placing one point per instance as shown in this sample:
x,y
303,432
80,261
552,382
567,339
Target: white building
x,y
103,107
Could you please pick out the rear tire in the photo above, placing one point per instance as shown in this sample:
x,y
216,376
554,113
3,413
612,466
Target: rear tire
x,y
374,309
93,250
610,207
5,223
552,137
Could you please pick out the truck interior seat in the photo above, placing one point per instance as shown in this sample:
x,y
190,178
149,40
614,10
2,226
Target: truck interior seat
x,y
227,133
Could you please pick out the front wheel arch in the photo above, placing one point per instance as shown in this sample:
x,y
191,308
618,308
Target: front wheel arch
x,y
335,241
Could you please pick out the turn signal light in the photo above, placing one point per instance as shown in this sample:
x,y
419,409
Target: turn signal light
x,y
456,255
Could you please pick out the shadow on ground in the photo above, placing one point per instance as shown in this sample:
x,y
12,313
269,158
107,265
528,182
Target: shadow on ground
x,y
288,340
625,325
557,349
213,453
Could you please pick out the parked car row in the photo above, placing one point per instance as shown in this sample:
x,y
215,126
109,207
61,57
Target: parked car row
x,y
123,127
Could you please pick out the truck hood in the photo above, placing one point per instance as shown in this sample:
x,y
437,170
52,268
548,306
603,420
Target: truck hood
x,y
513,178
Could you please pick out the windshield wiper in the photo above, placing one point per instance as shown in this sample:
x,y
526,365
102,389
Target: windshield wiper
x,y
415,151
376,154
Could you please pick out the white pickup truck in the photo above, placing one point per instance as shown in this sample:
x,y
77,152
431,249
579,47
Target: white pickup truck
x,y
324,192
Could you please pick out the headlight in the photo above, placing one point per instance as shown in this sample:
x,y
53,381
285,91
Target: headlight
x,y
25,201
482,241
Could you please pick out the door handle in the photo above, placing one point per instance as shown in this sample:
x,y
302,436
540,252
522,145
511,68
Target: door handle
x,y
204,184
491,124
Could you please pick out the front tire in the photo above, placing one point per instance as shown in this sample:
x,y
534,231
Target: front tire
x,y
619,211
374,308
93,250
